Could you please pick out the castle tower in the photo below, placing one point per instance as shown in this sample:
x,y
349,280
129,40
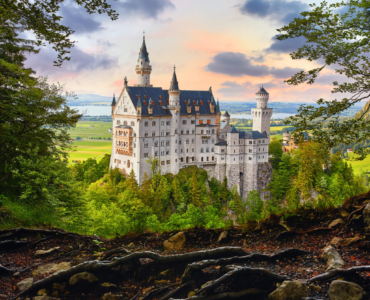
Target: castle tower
x,y
226,117
286,137
232,159
143,68
174,107
113,103
262,114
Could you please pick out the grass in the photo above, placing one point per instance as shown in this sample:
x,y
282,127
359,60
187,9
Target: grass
x,y
359,166
90,149
84,130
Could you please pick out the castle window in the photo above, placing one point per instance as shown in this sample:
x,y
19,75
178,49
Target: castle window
x,y
250,150
162,153
125,109
153,123
187,131
259,156
213,141
162,143
192,141
118,122
259,149
181,150
162,123
167,143
250,142
182,131
263,149
250,158
201,150
162,162
207,150
146,145
168,123
125,123
263,141
156,153
156,144
212,150
115,160
167,133
128,164
201,159
192,150
187,150
234,144
234,159
192,121
162,133
234,151
254,142
200,121
153,133
222,158
222,150
179,141
207,158
187,141
193,158
213,158
167,152
132,123
184,122
146,123
146,134
193,131
259,141
202,131
175,150
208,121
181,159
168,162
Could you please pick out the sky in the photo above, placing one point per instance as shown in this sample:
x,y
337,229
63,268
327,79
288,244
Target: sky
x,y
227,45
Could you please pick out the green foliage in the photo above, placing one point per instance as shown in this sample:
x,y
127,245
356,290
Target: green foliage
x,y
254,205
336,34
276,150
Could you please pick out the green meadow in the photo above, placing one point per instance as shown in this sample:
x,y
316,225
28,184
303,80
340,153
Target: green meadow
x,y
90,149
359,166
91,129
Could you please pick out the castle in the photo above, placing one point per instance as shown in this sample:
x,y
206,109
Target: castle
x,y
184,128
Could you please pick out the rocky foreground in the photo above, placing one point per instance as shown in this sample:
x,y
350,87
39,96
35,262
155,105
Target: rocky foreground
x,y
310,255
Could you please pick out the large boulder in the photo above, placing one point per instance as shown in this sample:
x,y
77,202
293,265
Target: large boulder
x,y
24,284
176,242
82,277
333,258
48,268
290,290
344,290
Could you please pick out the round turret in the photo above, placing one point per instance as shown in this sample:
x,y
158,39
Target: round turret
x,y
226,117
286,137
262,98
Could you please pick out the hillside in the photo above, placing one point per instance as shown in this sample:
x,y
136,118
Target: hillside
x,y
250,261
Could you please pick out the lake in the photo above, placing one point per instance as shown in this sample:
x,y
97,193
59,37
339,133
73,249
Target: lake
x,y
106,111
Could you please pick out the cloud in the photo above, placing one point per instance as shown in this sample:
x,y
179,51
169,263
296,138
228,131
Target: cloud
x,y
238,64
278,10
143,8
78,19
234,89
80,61
285,46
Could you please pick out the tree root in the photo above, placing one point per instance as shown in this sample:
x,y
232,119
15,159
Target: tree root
x,y
115,251
94,266
5,271
338,273
241,271
228,295
157,291
9,243
13,232
241,259
178,290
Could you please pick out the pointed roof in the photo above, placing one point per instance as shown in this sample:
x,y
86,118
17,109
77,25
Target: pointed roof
x,y
226,114
218,106
262,91
114,100
143,52
233,130
138,102
174,84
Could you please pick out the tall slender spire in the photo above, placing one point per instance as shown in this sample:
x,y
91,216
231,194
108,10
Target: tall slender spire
x,y
143,51
174,84
114,100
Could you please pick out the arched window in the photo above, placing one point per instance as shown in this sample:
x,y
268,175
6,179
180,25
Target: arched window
x,y
156,144
146,134
153,133
207,158
212,150
179,141
213,131
162,133
125,123
162,143
207,150
202,131
201,150
187,141
201,159
153,123
156,153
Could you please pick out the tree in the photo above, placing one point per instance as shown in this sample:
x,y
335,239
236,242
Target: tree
x,y
195,194
341,41
276,150
255,205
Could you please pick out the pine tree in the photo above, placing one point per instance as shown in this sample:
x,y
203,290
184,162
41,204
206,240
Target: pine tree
x,y
131,183
146,192
224,193
195,195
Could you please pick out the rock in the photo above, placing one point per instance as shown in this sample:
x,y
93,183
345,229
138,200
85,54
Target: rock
x,y
335,241
290,290
315,287
222,236
344,290
107,284
42,292
68,249
45,298
333,258
45,252
335,223
24,284
175,242
110,296
159,282
48,268
84,276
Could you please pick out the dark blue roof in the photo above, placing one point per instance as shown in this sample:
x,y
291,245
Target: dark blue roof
x,y
143,52
251,135
262,91
221,143
174,86
226,114
114,100
233,130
